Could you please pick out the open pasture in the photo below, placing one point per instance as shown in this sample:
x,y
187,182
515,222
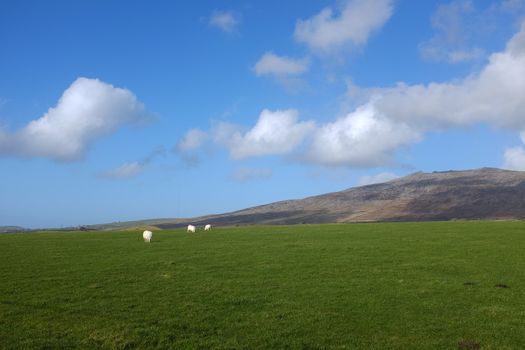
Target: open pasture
x,y
448,285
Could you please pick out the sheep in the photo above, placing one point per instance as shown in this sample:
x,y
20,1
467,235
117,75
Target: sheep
x,y
147,236
207,227
191,228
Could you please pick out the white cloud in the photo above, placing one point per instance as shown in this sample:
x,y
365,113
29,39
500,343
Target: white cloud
x,y
124,171
362,138
193,140
399,116
276,132
495,95
226,21
393,117
514,159
87,110
357,20
271,64
375,179
251,174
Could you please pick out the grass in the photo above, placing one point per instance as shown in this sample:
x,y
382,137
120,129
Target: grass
x,y
355,286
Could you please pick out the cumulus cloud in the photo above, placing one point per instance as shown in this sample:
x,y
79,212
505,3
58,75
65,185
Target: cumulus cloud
x,y
375,179
271,64
393,117
87,110
251,174
276,132
399,116
227,21
495,95
331,30
362,138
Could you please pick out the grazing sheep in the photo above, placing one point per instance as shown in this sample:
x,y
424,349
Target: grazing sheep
x,y
191,228
207,227
147,236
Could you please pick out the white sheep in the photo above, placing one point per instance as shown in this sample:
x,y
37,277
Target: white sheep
x,y
191,228
207,227
147,236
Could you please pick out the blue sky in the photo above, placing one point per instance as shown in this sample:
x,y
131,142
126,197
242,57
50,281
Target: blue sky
x,y
122,110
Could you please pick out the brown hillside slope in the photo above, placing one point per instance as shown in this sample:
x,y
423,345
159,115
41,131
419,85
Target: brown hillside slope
x,y
473,194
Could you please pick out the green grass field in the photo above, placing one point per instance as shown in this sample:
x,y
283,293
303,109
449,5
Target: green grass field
x,y
355,286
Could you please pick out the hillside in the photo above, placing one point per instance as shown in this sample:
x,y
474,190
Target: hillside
x,y
485,193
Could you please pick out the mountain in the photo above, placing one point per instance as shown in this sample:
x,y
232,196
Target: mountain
x,y
485,193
